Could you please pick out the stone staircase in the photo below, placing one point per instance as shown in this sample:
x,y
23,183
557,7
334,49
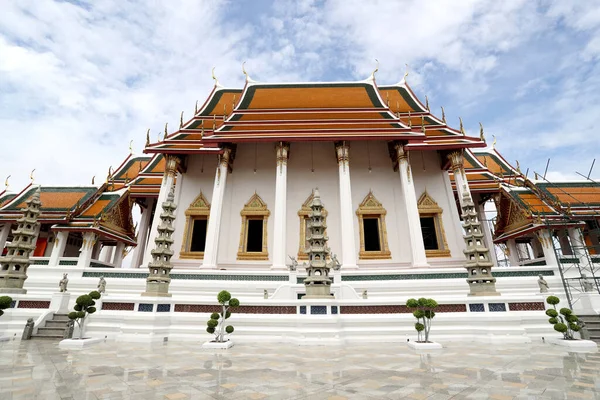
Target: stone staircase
x,y
53,329
592,325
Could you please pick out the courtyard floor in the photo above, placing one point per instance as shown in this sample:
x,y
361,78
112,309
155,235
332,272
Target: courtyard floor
x,y
39,369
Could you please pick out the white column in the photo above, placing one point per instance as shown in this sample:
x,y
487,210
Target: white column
x,y
513,252
280,216
106,254
60,244
142,236
415,234
545,238
460,178
85,253
4,232
578,246
168,178
96,250
346,213
487,232
118,256
211,249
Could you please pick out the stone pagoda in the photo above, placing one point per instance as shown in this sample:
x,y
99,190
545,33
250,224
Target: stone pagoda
x,y
13,267
157,283
479,266
317,283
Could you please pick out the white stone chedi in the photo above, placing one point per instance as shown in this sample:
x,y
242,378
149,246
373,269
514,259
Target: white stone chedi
x,y
13,267
157,283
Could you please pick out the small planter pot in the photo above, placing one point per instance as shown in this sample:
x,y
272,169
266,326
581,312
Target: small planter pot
x,y
424,345
78,343
217,345
575,345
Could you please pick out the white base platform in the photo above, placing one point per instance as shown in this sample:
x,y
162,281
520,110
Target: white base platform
x,y
78,343
217,345
424,346
4,338
575,345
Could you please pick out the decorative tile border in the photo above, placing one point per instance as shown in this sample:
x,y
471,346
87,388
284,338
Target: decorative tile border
x,y
334,310
67,262
453,275
118,306
33,304
398,309
497,307
476,307
207,308
41,262
318,310
302,309
163,308
144,307
533,306
13,304
569,260
196,277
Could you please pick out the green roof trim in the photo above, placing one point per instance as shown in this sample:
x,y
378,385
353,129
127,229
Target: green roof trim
x,y
88,193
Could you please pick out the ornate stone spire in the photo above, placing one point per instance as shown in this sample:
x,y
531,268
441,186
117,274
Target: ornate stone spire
x,y
317,282
13,267
479,266
157,283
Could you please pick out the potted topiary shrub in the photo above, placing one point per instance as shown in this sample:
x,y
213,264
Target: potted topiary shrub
x,y
566,322
5,302
424,313
84,306
216,323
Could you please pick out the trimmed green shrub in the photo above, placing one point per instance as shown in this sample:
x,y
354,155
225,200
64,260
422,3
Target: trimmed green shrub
x,y
84,306
564,320
424,314
216,323
5,302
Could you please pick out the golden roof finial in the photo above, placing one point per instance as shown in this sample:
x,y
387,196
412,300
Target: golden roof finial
x,y
427,103
405,73
443,115
423,124
387,99
93,179
481,135
375,70
518,167
148,137
181,120
164,137
494,142
214,77
537,177
109,174
131,146
409,120
569,211
462,127
196,108
6,182
31,175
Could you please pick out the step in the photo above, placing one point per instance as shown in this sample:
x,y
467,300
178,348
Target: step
x,y
47,336
60,317
51,331
56,324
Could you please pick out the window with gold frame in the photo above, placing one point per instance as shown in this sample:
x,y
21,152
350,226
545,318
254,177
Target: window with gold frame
x,y
432,227
253,235
303,214
373,232
196,226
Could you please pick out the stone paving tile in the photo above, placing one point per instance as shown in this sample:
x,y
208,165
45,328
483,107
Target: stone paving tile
x,y
178,371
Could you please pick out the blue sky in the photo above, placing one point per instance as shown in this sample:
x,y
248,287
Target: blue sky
x,y
80,79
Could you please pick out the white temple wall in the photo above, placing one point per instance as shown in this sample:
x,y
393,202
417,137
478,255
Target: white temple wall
x,y
199,177
428,175
241,185
384,182
300,183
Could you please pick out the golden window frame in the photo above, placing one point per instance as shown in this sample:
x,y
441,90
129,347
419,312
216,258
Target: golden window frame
x,y
372,208
303,214
198,209
255,208
428,207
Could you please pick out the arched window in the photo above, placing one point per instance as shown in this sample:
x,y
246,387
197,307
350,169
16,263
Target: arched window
x,y
303,214
196,225
373,233
432,228
253,235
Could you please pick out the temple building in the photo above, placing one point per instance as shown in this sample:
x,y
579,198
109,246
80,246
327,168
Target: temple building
x,y
401,198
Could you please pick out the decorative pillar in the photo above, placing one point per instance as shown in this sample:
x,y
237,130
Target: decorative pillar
x,y
565,245
4,232
106,254
211,249
545,238
172,164
85,253
96,250
415,234
60,244
157,283
142,236
478,265
487,232
13,267
579,247
460,178
118,256
346,212
513,252
280,216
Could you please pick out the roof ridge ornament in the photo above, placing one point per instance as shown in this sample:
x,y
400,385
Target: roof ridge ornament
x,y
427,103
148,137
372,76
196,108
444,116
217,84
6,182
31,175
248,79
131,147
481,135
462,127
403,80
494,142
93,179
164,137
181,120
